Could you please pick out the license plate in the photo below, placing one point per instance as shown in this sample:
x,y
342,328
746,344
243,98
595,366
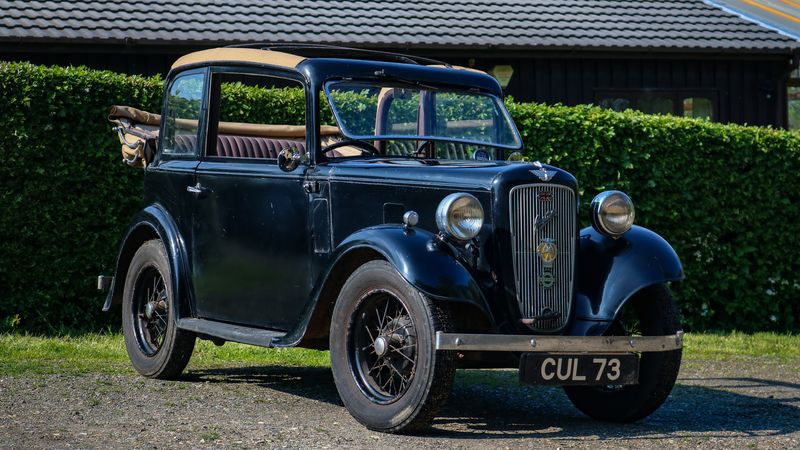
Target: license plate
x,y
579,369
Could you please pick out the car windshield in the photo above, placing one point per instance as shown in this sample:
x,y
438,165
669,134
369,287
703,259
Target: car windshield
x,y
476,122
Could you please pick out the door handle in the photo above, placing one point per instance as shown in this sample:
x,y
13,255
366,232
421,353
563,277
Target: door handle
x,y
197,189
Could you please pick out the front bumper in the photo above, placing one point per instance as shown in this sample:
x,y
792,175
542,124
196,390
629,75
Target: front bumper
x,y
557,344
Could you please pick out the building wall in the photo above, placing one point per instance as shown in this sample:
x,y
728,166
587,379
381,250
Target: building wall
x,y
745,89
751,91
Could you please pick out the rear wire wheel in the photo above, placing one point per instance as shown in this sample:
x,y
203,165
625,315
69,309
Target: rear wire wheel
x,y
155,345
650,312
387,370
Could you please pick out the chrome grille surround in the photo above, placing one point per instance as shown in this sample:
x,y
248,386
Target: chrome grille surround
x,y
527,204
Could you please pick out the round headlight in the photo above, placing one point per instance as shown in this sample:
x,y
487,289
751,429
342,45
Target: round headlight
x,y
612,213
460,216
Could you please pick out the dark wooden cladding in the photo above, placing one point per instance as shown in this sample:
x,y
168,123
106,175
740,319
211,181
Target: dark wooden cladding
x,y
746,88
747,91
751,91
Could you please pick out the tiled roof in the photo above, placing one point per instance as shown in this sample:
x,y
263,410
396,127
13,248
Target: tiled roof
x,y
781,15
506,24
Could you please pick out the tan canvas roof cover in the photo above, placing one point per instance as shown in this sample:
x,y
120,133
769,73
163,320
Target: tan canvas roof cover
x,y
250,55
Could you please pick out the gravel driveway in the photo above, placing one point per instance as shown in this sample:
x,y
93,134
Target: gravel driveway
x,y
747,403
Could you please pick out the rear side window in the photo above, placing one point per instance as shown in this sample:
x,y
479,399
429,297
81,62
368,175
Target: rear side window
x,y
255,116
184,108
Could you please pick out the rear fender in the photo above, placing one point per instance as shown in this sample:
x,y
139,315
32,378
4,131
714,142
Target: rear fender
x,y
152,222
611,271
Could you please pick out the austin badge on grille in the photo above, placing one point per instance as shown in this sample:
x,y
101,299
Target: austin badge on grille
x,y
547,252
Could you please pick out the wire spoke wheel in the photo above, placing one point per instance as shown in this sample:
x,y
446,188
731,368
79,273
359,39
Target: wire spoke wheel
x,y
156,346
383,347
151,309
384,361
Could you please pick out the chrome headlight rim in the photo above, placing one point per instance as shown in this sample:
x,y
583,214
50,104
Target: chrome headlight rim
x,y
599,212
462,230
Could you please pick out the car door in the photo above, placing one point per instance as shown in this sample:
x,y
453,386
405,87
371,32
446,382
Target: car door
x,y
250,253
181,139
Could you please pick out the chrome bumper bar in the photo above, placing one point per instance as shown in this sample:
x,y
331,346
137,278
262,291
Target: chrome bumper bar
x,y
557,344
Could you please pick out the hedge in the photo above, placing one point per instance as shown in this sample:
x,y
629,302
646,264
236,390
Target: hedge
x,y
726,196
64,196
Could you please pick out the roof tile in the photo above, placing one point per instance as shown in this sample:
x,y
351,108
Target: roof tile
x,y
519,24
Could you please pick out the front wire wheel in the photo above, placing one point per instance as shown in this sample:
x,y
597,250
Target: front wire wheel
x,y
387,370
383,347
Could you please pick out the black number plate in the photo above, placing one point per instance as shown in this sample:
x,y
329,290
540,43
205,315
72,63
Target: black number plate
x,y
560,369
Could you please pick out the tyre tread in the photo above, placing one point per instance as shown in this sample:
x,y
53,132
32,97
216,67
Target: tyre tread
x,y
179,344
444,373
653,301
433,393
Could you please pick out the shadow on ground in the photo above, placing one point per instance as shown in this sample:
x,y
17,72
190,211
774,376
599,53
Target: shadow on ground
x,y
491,404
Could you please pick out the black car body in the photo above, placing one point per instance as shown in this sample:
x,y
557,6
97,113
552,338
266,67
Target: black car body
x,y
260,250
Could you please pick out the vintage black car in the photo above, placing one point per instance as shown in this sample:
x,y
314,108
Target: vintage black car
x,y
394,222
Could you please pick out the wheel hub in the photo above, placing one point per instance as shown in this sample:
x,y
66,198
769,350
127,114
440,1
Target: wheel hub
x,y
152,306
149,309
385,348
380,346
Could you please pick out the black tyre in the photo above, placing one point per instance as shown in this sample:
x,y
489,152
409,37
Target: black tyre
x,y
387,371
651,312
156,347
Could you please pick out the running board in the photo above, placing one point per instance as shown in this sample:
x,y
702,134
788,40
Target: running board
x,y
229,332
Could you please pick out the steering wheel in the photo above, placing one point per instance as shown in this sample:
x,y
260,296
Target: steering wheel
x,y
422,149
364,147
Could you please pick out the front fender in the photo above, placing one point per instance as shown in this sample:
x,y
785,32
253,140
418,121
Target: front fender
x,y
153,222
611,271
417,255
422,260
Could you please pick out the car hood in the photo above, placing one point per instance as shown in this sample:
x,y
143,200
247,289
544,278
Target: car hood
x,y
468,175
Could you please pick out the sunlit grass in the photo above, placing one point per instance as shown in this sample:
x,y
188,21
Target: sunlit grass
x,y
733,345
105,353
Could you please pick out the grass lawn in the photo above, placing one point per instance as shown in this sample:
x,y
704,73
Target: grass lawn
x,y
105,353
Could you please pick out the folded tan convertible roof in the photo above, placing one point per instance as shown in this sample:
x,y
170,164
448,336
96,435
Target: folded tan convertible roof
x,y
138,116
250,55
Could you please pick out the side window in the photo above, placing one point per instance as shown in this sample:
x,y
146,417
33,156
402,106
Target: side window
x,y
793,106
618,104
698,108
256,116
793,100
695,103
184,107
656,105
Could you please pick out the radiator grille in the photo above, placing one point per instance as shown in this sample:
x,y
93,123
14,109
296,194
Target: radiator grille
x,y
543,254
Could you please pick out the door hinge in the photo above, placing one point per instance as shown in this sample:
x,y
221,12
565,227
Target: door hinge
x,y
312,187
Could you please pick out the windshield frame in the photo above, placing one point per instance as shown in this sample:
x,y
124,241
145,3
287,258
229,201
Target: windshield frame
x,y
399,83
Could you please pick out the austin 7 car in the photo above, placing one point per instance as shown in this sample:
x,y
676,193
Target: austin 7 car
x,y
379,206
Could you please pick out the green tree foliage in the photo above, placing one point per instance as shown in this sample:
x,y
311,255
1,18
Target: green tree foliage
x,y
725,196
